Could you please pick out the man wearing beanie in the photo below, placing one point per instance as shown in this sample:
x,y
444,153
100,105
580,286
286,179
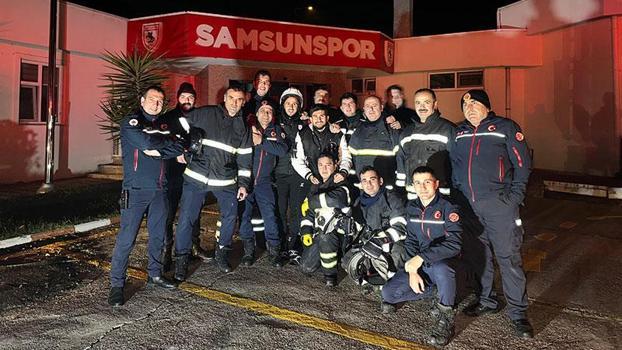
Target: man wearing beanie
x,y
291,188
268,144
491,165
186,96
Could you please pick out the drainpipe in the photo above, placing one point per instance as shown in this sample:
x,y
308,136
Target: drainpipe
x,y
508,95
47,186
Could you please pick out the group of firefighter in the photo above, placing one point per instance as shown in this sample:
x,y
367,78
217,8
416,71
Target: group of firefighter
x,y
410,205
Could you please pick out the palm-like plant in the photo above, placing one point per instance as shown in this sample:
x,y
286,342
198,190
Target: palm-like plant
x,y
130,75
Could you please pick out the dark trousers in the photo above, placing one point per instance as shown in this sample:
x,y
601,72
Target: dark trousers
x,y
291,192
174,196
324,252
263,197
502,233
442,274
191,202
155,204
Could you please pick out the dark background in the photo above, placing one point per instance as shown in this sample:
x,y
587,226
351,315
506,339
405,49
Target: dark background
x,y
430,17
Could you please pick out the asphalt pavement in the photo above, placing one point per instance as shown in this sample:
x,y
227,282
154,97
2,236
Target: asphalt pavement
x,y
53,296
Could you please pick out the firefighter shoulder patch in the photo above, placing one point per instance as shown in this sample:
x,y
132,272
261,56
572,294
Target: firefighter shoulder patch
x,y
519,136
453,217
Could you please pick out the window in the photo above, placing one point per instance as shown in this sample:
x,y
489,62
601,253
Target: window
x,y
452,80
364,86
33,92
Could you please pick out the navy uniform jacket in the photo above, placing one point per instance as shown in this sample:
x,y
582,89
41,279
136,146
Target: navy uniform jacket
x,y
226,159
265,154
433,232
491,160
140,132
349,124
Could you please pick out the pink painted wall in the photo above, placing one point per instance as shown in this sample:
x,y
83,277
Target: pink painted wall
x,y
83,35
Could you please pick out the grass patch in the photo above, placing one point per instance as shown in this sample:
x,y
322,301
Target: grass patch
x,y
69,205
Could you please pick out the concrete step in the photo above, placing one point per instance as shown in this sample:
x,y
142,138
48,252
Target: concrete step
x,y
117,160
110,169
105,176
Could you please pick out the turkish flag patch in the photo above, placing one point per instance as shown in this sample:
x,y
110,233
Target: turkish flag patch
x,y
453,217
273,134
437,214
492,128
164,126
519,136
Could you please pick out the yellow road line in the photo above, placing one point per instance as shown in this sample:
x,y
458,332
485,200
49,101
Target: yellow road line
x,y
259,307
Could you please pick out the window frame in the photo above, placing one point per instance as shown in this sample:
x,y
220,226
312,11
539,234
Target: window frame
x,y
457,85
38,110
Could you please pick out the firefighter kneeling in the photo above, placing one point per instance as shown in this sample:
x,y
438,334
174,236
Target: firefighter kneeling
x,y
378,249
325,227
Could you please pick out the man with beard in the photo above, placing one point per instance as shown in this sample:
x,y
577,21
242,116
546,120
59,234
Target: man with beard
x,y
398,115
291,188
268,144
425,143
186,96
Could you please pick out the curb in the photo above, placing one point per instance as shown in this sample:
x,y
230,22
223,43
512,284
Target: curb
x,y
63,231
607,192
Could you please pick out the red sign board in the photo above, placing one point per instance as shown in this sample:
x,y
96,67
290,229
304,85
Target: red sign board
x,y
206,35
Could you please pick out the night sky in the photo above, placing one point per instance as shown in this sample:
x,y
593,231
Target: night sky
x,y
430,17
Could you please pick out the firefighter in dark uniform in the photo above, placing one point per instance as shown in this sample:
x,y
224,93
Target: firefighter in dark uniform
x,y
322,229
433,244
374,143
491,165
398,115
223,167
261,91
349,118
316,139
382,218
425,142
269,143
146,148
186,96
291,188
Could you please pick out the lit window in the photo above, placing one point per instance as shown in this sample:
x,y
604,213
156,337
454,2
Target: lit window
x,y
33,92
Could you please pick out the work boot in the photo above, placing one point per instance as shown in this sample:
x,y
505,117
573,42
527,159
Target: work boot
x,y
199,252
181,267
115,297
167,258
162,282
444,328
522,328
275,255
330,280
294,257
222,258
387,308
248,258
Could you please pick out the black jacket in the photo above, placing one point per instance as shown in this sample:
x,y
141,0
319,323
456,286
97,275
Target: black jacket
x,y
226,158
375,144
324,199
310,143
386,214
290,126
425,144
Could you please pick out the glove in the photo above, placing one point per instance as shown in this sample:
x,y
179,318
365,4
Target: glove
x,y
376,246
307,240
304,207
196,135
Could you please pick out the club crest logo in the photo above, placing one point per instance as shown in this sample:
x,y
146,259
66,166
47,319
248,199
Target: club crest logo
x,y
152,35
389,53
